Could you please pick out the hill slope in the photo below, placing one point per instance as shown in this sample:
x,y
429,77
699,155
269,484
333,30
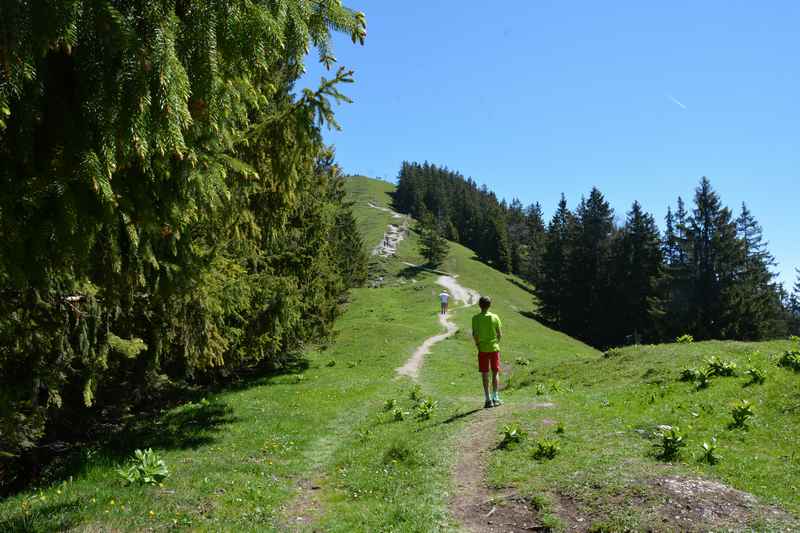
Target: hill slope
x,y
342,446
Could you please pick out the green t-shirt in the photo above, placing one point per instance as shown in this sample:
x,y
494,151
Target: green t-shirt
x,y
485,326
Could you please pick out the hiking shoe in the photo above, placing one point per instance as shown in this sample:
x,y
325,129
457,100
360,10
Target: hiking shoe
x,y
497,402
488,404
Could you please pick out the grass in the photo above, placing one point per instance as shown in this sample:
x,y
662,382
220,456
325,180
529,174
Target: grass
x,y
237,458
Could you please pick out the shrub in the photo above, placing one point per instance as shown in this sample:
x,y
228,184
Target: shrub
x,y
790,359
719,367
146,468
512,434
756,374
612,352
689,374
709,452
685,339
742,411
669,443
546,449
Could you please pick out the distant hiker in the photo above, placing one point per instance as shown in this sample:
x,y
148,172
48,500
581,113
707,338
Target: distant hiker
x,y
486,332
444,298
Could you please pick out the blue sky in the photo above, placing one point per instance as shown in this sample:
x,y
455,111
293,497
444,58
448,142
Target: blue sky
x,y
535,98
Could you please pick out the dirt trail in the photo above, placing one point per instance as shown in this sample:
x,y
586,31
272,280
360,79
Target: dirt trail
x,y
477,507
394,233
458,292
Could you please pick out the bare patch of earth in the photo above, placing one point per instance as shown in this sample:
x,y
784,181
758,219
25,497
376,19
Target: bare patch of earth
x,y
475,505
304,509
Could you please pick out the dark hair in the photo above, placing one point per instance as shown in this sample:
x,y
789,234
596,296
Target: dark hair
x,y
484,302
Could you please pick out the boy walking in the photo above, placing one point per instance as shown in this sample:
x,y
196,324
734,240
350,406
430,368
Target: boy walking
x,y
486,332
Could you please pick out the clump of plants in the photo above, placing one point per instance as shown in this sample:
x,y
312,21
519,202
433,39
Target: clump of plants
x,y
790,359
512,434
560,428
703,379
541,390
720,367
741,412
330,363
546,449
389,404
145,468
426,408
416,393
400,452
669,441
612,352
708,453
757,375
398,415
685,339
689,374
521,361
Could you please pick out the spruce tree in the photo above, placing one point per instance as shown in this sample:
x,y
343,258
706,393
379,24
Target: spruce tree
x,y
638,278
553,285
535,242
717,257
432,244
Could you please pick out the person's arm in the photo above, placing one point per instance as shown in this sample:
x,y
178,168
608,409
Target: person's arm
x,y
498,328
475,333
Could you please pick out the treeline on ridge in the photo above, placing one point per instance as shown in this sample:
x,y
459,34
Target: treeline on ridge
x,y
708,274
168,211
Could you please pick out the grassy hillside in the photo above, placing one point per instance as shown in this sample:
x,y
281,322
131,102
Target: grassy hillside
x,y
316,449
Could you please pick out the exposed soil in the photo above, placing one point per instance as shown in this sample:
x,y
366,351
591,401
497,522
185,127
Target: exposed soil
x,y
394,233
476,506
304,509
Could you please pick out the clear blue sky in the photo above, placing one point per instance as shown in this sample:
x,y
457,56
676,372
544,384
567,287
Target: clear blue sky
x,y
535,98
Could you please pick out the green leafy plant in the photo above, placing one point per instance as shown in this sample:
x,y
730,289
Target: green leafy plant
x,y
703,379
389,404
795,339
612,352
757,375
689,374
790,359
719,367
541,390
416,393
512,434
546,449
330,363
742,411
145,468
426,408
669,442
399,415
522,361
685,339
560,428
709,452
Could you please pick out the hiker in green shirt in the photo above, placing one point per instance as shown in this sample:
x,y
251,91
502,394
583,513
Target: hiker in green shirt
x,y
486,332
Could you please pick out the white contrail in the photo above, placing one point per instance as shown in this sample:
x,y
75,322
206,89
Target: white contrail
x,y
676,101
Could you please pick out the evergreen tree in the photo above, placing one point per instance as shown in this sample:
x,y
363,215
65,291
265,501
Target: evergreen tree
x,y
717,257
759,306
432,244
553,285
589,287
535,243
678,277
161,206
638,277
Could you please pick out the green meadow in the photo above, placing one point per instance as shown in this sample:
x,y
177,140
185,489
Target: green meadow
x,y
321,447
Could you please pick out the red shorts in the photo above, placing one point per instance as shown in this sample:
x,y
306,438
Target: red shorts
x,y
489,359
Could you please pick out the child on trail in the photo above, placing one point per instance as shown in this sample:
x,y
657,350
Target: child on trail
x,y
444,298
486,332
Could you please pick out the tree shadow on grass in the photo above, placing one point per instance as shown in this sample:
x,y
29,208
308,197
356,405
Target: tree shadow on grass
x,y
523,286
